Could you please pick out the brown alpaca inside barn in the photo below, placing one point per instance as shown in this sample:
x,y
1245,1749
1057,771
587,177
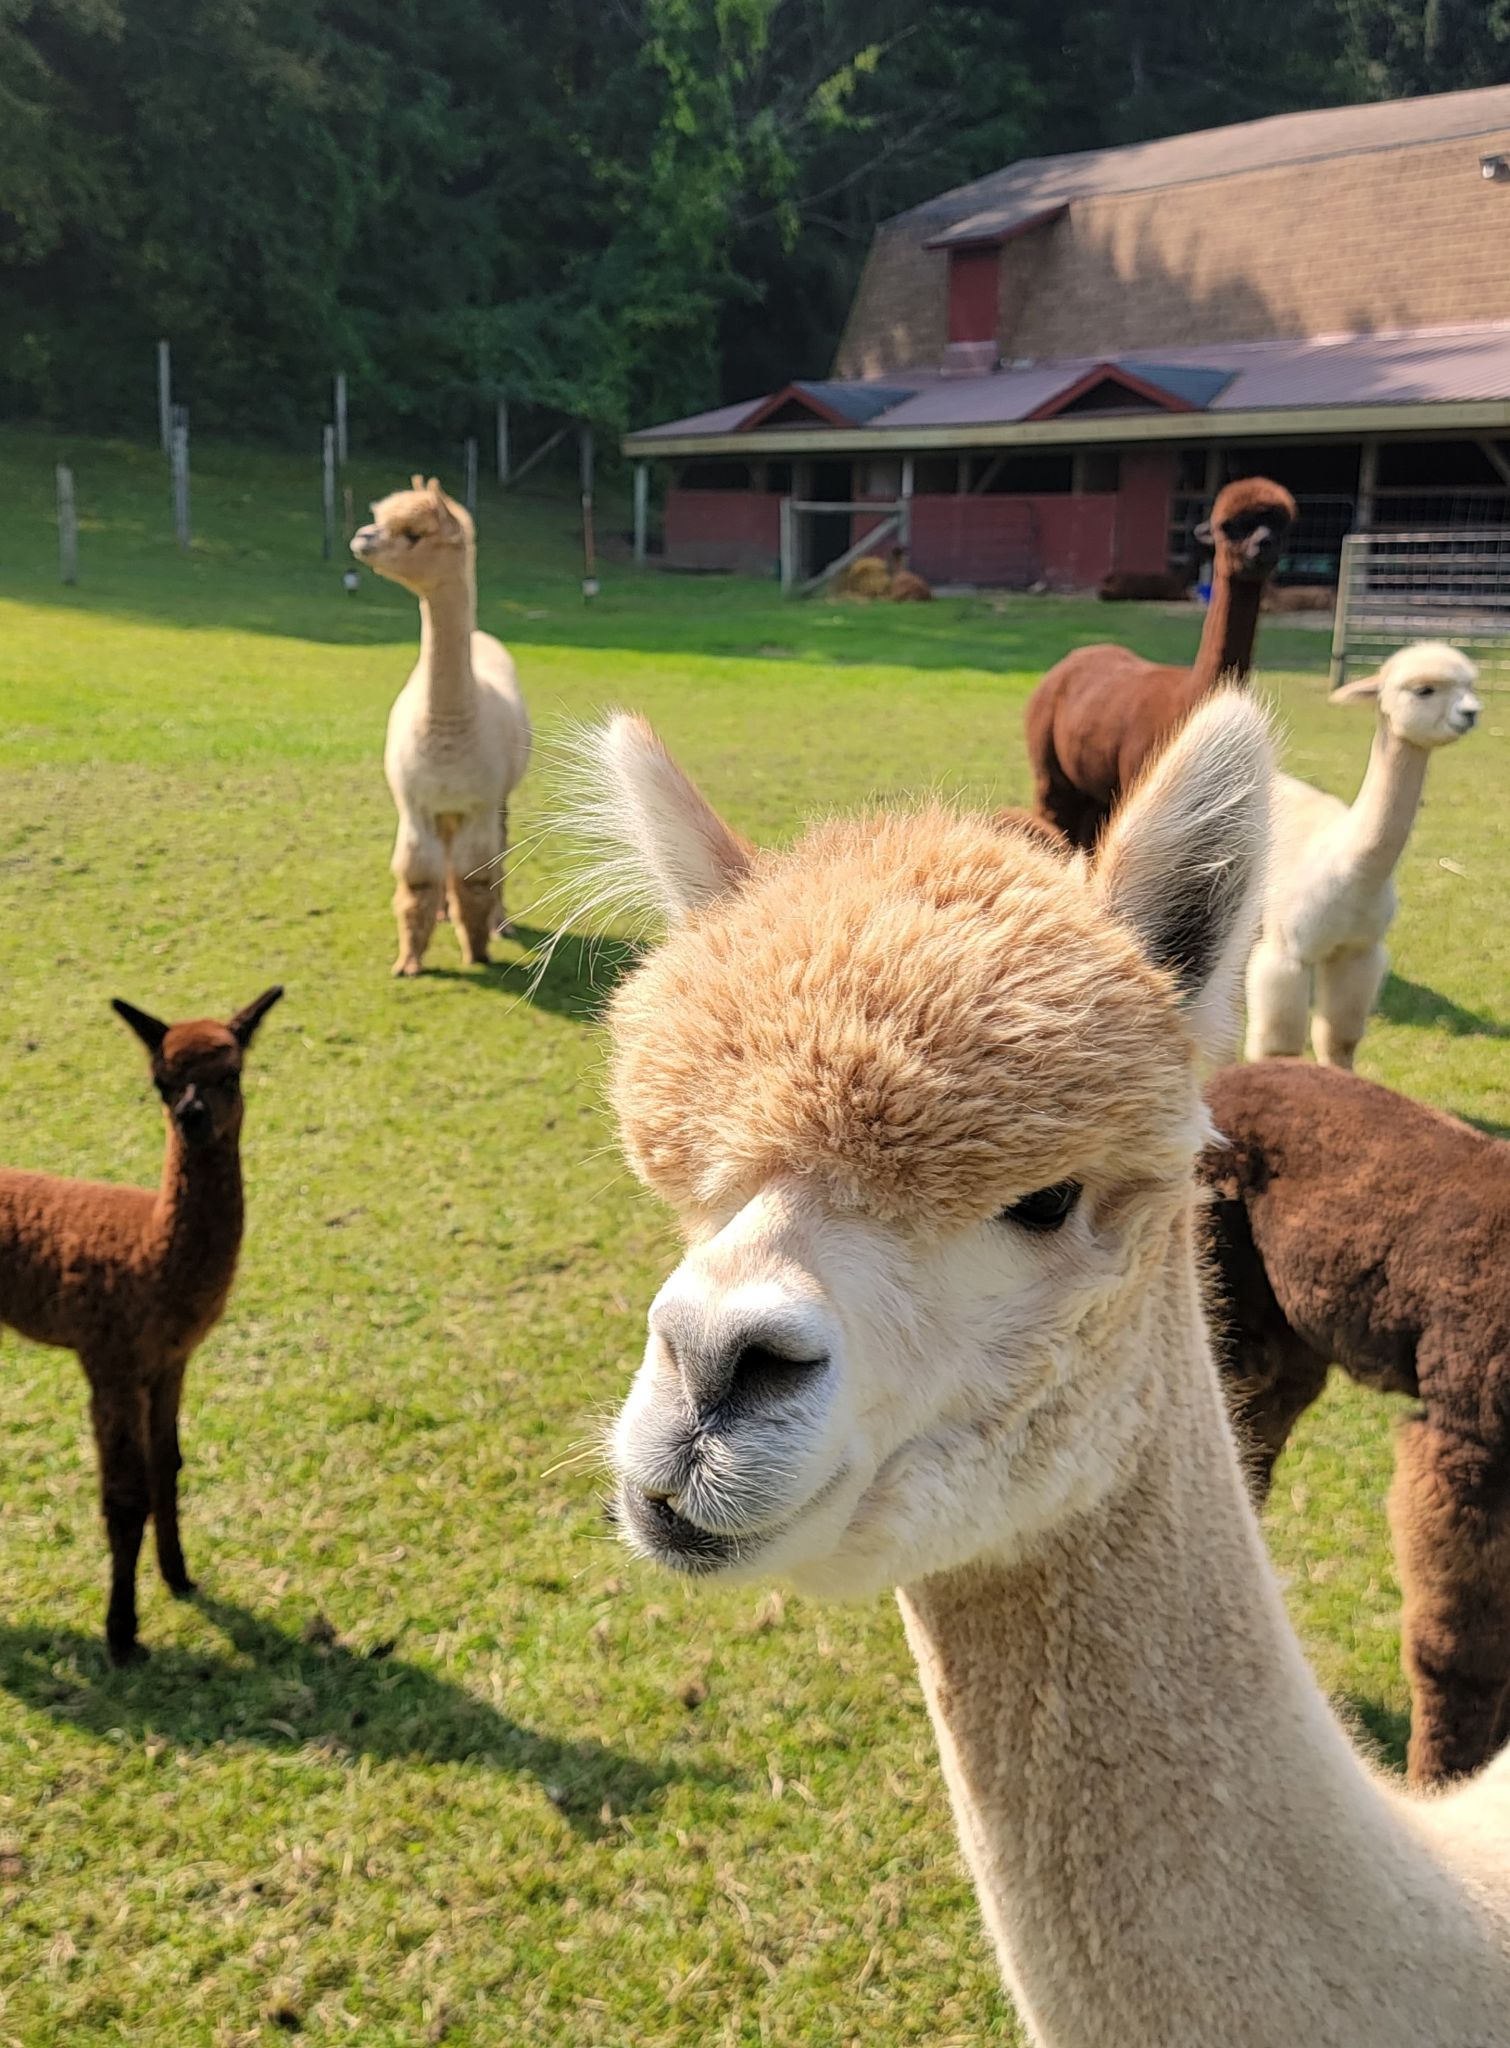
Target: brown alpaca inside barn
x,y
133,1280
1353,1225
1098,714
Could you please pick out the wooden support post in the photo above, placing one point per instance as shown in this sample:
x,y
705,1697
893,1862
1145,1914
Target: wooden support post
x,y
348,514
329,440
469,474
1494,455
1368,481
165,397
1346,569
343,445
179,456
904,526
502,441
1214,467
641,512
589,548
68,526
788,548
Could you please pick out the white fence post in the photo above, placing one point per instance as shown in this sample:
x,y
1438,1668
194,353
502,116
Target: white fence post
x,y
165,397
589,539
788,547
330,440
469,474
68,526
502,440
641,512
343,445
180,459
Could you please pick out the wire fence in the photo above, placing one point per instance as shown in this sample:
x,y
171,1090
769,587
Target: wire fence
x,y
1429,583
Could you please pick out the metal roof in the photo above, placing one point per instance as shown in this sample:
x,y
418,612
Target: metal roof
x,y
1007,200
1408,367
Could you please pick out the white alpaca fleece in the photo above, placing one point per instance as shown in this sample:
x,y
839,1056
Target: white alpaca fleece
x,y
1332,895
924,1097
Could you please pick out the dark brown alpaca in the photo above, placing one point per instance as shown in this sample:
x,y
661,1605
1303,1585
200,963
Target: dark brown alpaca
x,y
907,587
1144,586
1353,1225
1098,714
132,1281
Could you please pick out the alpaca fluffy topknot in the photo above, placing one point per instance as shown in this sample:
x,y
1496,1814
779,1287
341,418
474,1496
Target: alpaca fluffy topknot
x,y
912,1008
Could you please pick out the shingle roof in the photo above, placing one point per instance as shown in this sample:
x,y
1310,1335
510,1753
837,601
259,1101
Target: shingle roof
x,y
1415,366
1007,199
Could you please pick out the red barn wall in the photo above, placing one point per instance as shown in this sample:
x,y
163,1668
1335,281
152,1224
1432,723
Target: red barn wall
x,y
737,530
1144,504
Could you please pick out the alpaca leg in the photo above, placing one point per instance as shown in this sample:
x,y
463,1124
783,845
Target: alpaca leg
x,y
472,880
1451,1523
164,1463
1279,997
419,868
1347,987
120,1431
1264,1411
502,927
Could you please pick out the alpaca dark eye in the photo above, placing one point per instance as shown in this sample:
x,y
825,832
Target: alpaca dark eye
x,y
1046,1209
1426,689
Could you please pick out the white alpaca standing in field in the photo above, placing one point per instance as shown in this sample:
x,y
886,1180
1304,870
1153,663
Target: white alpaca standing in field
x,y
458,733
1331,895
925,1097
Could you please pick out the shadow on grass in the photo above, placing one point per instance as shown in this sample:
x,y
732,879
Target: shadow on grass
x,y
568,973
1387,1729
1411,1002
1487,1125
318,1694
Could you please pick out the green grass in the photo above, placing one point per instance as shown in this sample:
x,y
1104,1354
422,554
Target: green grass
x,y
527,1793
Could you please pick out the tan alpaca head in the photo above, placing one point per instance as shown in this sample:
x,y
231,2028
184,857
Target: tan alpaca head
x,y
924,1097
1424,692
418,537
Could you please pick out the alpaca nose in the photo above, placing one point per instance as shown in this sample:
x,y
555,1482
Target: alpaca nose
x,y
747,1362
363,539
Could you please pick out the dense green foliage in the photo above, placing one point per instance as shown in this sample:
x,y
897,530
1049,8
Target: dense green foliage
x,y
619,207
430,1760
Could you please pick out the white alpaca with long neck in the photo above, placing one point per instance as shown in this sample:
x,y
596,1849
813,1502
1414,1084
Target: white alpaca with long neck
x,y
925,1099
458,734
1332,895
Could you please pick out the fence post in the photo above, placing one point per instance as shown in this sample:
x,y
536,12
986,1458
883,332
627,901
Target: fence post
x,y
330,440
502,440
589,545
343,445
180,459
1337,672
469,474
641,512
904,523
165,397
68,526
1368,479
788,547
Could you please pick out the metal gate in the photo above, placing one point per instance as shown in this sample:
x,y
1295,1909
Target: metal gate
x,y
1440,583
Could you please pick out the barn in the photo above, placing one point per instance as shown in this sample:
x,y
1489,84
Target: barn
x,y
1056,367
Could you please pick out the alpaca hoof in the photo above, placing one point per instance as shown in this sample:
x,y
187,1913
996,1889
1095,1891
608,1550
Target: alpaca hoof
x,y
407,966
124,1654
503,929
184,1588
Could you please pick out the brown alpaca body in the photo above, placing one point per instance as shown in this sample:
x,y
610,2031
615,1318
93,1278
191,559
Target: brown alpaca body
x,y
132,1280
1143,586
1353,1225
907,587
1100,713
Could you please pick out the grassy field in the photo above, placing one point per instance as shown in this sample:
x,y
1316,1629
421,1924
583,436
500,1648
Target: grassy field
x,y
429,1760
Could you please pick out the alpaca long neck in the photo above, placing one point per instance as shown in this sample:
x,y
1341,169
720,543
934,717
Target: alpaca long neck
x,y
200,1214
447,618
1385,807
1228,634
1172,1841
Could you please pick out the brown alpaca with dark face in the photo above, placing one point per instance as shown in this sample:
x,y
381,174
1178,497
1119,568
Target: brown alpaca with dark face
x,y
1351,1225
1098,714
133,1281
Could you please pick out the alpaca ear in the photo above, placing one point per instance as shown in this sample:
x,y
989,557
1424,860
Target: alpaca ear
x,y
416,482
243,1025
150,1030
657,829
1182,863
1205,534
1361,690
